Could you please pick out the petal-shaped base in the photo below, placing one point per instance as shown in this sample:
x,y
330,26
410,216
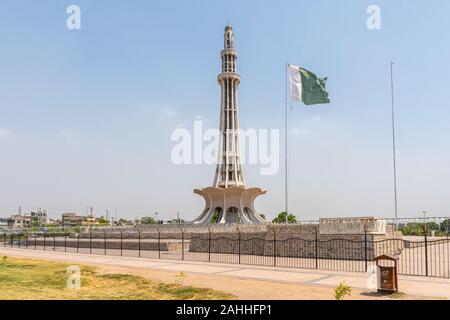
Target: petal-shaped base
x,y
229,205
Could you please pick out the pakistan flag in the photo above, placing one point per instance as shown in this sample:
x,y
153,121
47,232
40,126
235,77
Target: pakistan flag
x,y
307,87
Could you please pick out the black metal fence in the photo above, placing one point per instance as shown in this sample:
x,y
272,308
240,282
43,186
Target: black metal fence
x,y
417,257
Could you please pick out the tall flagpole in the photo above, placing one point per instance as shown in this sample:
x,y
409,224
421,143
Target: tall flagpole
x,y
286,146
393,145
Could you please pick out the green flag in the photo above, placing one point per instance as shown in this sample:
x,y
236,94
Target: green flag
x,y
307,87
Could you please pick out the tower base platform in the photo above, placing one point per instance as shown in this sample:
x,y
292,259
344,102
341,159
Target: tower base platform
x,y
229,205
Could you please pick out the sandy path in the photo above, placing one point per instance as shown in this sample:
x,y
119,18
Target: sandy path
x,y
246,289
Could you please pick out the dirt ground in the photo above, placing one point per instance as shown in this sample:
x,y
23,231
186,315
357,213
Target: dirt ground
x,y
246,289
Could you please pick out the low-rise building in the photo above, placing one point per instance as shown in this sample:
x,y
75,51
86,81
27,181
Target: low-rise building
x,y
90,221
39,217
18,221
53,222
71,219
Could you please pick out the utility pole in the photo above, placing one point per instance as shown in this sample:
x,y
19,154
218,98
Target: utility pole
x,y
394,146
286,157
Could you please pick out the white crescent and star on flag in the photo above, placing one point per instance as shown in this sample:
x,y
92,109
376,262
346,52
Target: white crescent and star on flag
x,y
296,82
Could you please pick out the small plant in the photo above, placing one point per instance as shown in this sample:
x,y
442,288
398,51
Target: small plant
x,y
4,257
342,290
179,278
396,295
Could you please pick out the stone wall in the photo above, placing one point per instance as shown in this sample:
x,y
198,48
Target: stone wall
x,y
296,240
301,241
362,225
164,245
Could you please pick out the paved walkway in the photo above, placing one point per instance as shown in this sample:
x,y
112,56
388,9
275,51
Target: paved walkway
x,y
416,286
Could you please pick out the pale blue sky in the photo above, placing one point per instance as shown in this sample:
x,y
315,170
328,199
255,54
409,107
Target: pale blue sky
x,y
86,116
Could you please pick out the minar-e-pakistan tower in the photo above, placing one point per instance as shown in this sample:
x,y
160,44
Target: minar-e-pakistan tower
x,y
229,200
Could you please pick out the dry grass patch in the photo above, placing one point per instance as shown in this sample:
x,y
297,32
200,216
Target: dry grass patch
x,y
25,279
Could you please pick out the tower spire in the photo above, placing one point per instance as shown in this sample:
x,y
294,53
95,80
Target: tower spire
x,y
228,37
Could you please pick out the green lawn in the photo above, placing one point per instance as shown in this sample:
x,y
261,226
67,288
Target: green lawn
x,y
44,280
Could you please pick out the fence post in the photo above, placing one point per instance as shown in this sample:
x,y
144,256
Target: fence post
x,y
159,244
65,242
90,241
121,243
426,254
44,241
316,249
139,243
209,245
78,242
182,244
54,242
239,245
365,249
35,239
18,239
26,241
274,249
104,242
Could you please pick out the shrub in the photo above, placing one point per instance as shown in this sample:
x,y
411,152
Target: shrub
x,y
342,290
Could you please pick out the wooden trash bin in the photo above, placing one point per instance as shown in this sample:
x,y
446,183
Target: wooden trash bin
x,y
387,273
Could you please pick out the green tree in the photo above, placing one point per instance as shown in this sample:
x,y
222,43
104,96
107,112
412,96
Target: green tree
x,y
421,229
102,221
35,224
413,229
282,218
148,220
125,222
215,217
445,225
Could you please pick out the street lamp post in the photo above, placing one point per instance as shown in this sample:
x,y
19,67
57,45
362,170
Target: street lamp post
x,y
424,214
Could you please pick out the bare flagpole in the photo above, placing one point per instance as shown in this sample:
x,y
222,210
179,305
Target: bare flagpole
x,y
286,187
393,145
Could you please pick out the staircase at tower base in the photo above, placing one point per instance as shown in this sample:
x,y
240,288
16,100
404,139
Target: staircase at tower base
x,y
233,205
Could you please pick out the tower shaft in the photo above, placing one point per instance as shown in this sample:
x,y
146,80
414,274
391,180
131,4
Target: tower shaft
x,y
229,168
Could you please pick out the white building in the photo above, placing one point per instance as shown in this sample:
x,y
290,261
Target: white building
x,y
18,221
